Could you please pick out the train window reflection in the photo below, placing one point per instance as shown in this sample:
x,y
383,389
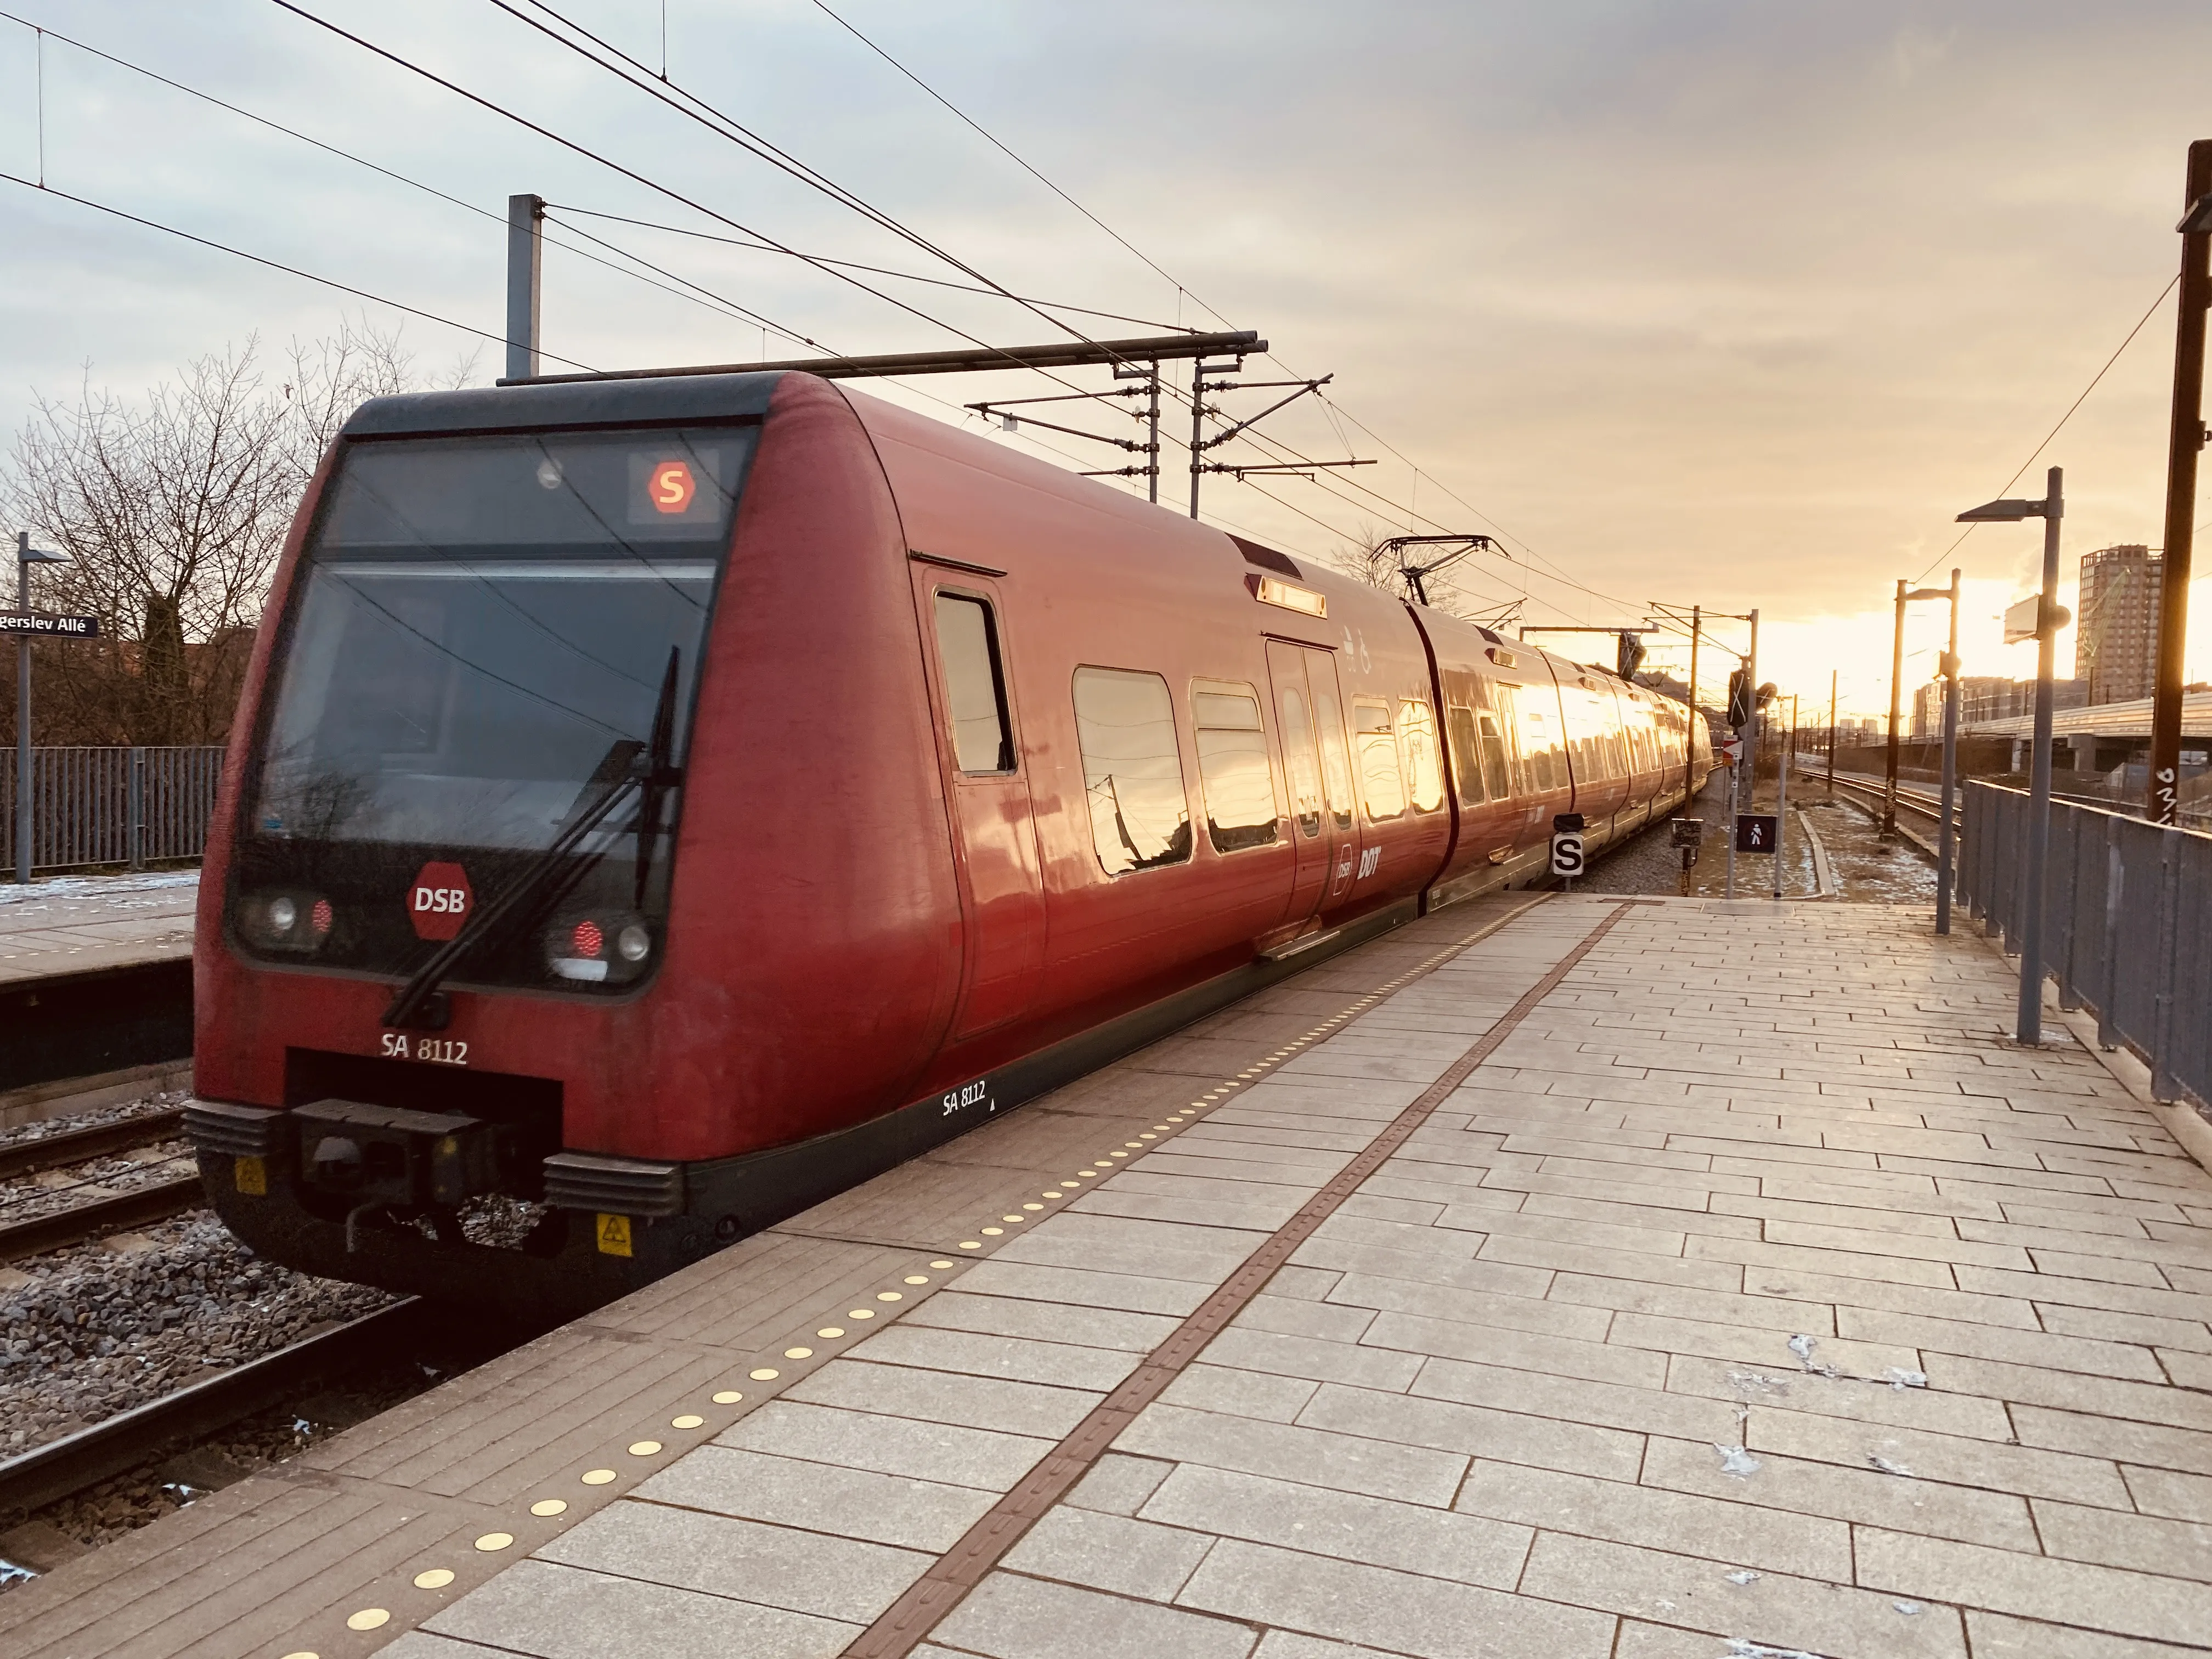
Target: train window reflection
x,y
1335,766
1233,766
1465,753
974,686
1132,769
1379,781
1417,730
1304,766
1495,765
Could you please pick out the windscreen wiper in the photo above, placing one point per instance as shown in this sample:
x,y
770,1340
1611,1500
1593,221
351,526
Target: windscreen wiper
x,y
627,765
661,775
420,995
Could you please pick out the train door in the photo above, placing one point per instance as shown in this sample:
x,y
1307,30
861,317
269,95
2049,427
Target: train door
x,y
1311,828
995,840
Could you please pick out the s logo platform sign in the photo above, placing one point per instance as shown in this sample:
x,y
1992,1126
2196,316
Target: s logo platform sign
x,y
438,900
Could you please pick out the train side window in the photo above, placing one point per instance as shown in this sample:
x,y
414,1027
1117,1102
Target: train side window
x,y
1541,756
1233,768
1335,764
1132,769
1495,764
975,684
1466,754
1379,781
1417,731
1303,763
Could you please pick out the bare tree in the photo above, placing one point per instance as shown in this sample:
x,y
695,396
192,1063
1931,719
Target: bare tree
x,y
172,510
1363,557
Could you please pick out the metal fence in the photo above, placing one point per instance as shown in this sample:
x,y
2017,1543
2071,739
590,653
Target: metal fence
x,y
2127,923
92,806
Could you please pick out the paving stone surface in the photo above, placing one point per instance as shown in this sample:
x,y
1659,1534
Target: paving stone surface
x,y
1754,1296
75,924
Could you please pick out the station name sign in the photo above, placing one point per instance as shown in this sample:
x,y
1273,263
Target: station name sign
x,y
40,625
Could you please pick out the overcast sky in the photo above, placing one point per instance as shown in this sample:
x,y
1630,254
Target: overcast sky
x,y
1727,303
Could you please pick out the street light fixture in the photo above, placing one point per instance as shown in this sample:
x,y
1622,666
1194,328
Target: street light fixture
x,y
2050,617
26,556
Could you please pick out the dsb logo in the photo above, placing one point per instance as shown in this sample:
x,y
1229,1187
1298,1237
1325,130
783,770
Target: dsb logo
x,y
438,900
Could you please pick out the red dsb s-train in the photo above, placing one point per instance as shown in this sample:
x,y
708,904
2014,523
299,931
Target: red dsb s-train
x,y
660,803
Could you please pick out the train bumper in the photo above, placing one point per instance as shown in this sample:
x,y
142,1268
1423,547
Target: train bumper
x,y
371,1195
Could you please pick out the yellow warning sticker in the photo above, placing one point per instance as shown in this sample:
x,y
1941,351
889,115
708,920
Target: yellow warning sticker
x,y
250,1175
614,1235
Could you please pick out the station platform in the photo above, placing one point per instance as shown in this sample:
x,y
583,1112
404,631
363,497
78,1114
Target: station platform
x,y
1571,1277
82,924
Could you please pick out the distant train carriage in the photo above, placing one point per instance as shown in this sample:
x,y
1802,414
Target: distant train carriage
x,y
658,805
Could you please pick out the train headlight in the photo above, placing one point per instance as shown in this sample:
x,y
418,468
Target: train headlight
x,y
285,921
599,948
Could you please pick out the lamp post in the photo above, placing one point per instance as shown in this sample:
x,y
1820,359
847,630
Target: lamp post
x,y
26,556
2050,617
1944,831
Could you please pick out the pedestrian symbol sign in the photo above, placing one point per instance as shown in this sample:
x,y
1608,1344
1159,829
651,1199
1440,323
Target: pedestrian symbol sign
x,y
1756,832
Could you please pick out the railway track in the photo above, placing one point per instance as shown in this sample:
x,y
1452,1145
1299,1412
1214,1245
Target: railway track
x,y
153,1201
62,1469
1919,809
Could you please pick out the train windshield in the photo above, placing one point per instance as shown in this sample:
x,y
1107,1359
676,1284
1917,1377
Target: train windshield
x,y
488,626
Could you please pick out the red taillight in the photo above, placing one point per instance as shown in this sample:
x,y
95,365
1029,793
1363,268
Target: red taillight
x,y
589,941
322,916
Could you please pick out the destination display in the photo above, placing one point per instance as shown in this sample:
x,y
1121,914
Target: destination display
x,y
33,621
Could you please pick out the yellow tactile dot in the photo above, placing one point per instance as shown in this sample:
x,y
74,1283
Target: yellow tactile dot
x,y
435,1578
971,1243
643,1448
890,1296
494,1540
860,1313
830,1333
917,1279
303,1655
1086,1174
765,1374
1134,1146
727,1396
1120,1154
550,1506
799,1353
955,1264
1016,1219
994,1232
1032,1206
688,1420
598,1477
1064,1183
369,1618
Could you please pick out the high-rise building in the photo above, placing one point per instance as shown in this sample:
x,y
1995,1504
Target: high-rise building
x,y
2116,638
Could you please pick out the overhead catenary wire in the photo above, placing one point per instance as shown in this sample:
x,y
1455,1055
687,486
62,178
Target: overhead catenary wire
x,y
1183,291
272,265
855,264
2063,419
729,306
515,116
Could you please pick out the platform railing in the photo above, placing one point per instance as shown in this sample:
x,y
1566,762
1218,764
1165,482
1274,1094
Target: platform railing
x,y
91,807
2127,924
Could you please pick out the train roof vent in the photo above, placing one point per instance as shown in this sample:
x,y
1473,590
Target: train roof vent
x,y
1268,559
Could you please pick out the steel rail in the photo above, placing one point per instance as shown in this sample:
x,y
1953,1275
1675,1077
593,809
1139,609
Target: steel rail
x,y
80,1145
62,1468
156,1201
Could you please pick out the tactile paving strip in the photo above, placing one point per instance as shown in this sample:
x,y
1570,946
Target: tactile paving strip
x,y
903,1626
